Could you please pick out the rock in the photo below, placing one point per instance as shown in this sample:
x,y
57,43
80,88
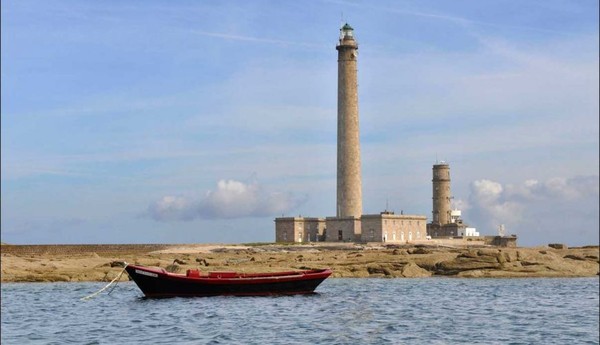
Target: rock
x,y
374,262
378,269
557,246
470,254
173,268
419,250
574,257
453,267
488,252
500,258
117,264
412,270
202,261
471,274
510,255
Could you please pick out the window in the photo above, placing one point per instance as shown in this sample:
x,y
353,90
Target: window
x,y
340,235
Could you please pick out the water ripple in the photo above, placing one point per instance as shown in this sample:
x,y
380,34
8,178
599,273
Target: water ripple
x,y
345,311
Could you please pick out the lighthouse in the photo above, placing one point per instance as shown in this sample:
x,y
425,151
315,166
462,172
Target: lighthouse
x,y
349,185
441,193
349,224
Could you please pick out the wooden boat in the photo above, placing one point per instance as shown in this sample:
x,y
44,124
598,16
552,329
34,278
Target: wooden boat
x,y
156,282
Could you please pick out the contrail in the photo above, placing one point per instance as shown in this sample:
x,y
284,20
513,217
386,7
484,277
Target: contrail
x,y
253,39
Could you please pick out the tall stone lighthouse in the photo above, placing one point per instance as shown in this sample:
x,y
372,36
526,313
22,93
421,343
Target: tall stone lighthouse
x,y
349,185
349,224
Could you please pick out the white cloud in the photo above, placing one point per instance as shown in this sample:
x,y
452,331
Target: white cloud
x,y
559,209
170,208
488,202
231,199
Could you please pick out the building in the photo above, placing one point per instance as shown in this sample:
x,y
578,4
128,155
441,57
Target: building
x,y
441,193
349,222
345,226
299,229
393,228
446,222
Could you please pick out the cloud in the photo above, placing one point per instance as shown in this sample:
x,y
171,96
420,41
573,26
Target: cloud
x,y
170,208
558,209
231,199
488,202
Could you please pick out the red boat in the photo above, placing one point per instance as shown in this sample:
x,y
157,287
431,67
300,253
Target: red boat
x,y
156,282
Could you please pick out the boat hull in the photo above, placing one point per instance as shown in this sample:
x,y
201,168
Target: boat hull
x,y
157,283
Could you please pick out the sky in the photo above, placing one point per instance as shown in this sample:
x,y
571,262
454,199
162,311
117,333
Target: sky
x,y
202,121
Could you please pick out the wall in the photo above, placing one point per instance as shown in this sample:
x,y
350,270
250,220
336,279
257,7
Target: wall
x,y
347,229
299,229
75,249
389,227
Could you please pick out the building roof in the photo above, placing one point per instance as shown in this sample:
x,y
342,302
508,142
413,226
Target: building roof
x,y
347,27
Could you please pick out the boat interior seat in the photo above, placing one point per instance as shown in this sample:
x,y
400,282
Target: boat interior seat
x,y
193,273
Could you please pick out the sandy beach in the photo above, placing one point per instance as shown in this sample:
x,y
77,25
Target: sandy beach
x,y
73,263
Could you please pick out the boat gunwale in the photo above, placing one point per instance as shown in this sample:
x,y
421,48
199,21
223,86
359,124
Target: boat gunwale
x,y
241,278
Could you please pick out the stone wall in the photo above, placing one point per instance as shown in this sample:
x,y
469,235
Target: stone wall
x,y
501,241
80,249
390,227
299,229
347,229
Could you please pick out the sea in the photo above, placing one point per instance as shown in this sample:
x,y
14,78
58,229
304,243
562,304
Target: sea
x,y
343,311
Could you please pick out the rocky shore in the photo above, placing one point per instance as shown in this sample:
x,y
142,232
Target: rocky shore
x,y
70,263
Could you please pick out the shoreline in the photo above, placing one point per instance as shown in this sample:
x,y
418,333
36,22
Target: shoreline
x,y
79,263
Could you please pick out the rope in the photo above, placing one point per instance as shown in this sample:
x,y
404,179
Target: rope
x,y
104,288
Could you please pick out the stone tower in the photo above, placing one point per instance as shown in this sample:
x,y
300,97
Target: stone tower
x,y
349,185
441,193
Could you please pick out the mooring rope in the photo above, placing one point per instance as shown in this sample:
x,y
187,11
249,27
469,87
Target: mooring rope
x,y
104,288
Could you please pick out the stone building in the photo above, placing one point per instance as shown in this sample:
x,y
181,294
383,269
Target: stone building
x,y
343,229
299,229
441,193
394,228
446,222
349,224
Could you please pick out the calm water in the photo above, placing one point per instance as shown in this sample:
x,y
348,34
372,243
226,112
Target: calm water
x,y
345,311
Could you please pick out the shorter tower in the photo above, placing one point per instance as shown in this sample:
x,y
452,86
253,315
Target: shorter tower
x,y
441,194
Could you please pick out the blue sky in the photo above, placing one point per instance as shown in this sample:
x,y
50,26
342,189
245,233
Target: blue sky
x,y
200,121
